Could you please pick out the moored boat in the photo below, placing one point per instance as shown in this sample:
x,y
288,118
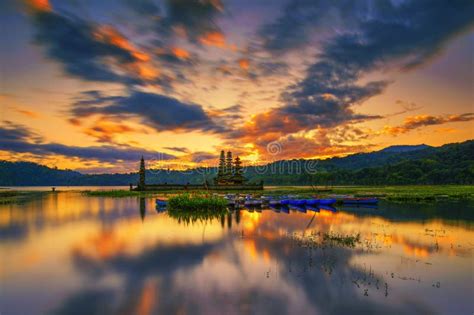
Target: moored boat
x,y
327,202
160,203
297,202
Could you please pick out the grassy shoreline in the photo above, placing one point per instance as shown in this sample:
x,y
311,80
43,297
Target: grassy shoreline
x,y
18,197
391,193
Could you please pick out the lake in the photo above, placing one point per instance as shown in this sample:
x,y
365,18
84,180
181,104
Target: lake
x,y
72,254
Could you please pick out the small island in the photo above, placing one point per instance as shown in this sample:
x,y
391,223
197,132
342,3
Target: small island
x,y
229,177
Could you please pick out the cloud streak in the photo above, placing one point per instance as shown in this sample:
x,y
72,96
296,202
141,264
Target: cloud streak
x,y
419,121
19,139
154,110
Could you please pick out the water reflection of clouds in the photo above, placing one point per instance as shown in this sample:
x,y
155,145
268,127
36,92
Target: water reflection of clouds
x,y
238,275
246,263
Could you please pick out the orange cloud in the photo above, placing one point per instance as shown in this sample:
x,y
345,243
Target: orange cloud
x,y
418,121
213,39
180,53
244,64
142,66
28,113
39,5
74,121
110,35
105,130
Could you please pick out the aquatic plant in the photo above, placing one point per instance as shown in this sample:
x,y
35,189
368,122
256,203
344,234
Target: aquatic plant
x,y
340,239
327,239
196,202
190,208
16,197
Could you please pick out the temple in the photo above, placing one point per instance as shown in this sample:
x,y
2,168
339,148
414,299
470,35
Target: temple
x,y
230,171
229,177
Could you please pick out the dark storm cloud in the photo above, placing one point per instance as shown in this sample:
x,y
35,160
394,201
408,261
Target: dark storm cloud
x,y
71,41
155,110
324,98
403,35
300,19
413,31
19,139
197,17
379,35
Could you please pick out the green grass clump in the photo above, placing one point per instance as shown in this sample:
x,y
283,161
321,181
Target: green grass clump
x,y
196,202
322,240
189,208
15,196
342,240
408,193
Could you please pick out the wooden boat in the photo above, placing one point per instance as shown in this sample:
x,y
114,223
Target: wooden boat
x,y
160,203
297,202
315,202
274,202
327,202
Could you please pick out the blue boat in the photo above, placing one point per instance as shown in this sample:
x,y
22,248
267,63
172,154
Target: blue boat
x,y
314,202
160,203
274,202
285,201
360,201
297,202
327,202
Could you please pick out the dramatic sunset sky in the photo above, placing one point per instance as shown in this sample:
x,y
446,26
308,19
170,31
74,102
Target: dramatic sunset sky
x,y
93,85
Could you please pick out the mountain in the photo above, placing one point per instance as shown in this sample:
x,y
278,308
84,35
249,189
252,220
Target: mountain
x,y
421,164
405,148
32,174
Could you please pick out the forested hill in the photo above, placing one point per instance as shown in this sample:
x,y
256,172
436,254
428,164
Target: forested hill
x,y
448,164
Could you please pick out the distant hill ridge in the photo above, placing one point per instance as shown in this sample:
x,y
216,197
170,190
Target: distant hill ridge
x,y
405,148
420,164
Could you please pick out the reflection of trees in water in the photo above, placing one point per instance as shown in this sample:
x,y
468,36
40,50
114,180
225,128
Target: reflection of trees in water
x,y
319,279
190,217
142,208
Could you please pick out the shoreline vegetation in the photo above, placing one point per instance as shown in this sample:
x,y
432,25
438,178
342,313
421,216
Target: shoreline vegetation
x,y
391,193
412,193
189,208
17,196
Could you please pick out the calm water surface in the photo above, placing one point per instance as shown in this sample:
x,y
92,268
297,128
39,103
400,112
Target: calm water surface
x,y
72,254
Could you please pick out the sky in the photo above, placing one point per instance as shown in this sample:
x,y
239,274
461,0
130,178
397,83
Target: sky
x,y
94,85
